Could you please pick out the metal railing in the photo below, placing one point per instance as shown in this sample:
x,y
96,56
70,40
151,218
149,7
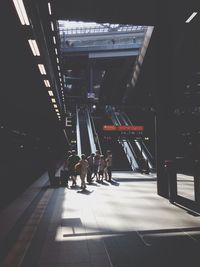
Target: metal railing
x,y
78,137
90,132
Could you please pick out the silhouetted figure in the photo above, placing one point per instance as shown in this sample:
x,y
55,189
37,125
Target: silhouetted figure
x,y
109,164
144,166
73,159
102,168
90,160
83,170
96,165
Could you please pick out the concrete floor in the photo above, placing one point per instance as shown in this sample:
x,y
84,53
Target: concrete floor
x,y
119,224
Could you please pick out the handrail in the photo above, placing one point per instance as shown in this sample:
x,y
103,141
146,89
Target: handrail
x,y
96,134
91,136
126,145
146,153
78,137
143,154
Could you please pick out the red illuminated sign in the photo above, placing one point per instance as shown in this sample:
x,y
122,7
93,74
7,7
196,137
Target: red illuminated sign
x,y
124,128
109,128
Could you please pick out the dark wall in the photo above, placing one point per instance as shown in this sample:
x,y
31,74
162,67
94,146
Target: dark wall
x,y
28,123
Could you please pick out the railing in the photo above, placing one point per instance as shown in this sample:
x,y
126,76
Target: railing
x,y
96,135
126,145
141,146
78,138
90,132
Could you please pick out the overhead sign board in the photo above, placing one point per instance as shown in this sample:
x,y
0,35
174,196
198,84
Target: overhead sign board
x,y
123,128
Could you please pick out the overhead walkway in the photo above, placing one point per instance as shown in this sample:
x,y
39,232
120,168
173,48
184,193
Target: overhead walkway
x,y
119,224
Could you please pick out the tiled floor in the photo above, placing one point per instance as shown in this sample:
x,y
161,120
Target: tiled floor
x,y
119,224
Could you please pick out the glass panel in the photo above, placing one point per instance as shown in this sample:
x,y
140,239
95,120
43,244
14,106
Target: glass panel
x,y
77,34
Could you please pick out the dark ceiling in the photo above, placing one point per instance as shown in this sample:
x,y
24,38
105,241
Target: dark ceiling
x,y
172,37
25,104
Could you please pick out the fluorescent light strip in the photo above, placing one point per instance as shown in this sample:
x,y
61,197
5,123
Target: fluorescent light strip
x,y
47,83
21,11
59,74
49,7
34,47
191,17
42,69
52,27
58,67
50,93
60,80
55,106
57,60
56,51
54,39
53,100
56,110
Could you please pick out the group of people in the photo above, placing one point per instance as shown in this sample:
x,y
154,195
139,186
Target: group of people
x,y
94,166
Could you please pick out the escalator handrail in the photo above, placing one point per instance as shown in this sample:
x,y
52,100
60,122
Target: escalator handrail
x,y
78,137
148,154
95,134
133,158
90,132
147,151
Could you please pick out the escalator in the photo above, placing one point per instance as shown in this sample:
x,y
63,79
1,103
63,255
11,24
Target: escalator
x,y
140,146
84,135
120,161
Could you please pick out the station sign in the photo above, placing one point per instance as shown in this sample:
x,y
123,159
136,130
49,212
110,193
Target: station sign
x,y
123,128
123,131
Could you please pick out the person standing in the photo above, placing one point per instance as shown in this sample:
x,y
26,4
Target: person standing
x,y
102,168
83,170
72,160
109,164
96,165
90,160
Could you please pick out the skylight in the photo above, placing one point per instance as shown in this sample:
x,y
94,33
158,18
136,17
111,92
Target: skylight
x,y
82,36
80,27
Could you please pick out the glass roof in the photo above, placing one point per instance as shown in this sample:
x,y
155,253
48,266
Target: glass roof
x,y
80,27
77,35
